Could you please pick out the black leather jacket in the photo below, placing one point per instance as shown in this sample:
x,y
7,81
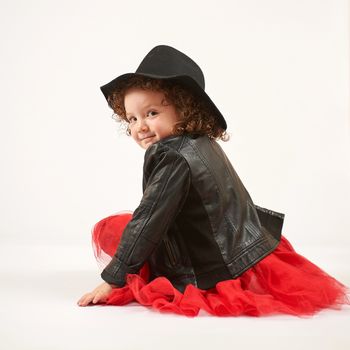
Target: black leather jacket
x,y
196,222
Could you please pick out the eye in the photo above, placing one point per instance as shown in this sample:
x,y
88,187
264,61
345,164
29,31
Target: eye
x,y
154,113
131,119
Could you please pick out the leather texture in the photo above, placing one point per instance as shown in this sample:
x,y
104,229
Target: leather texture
x,y
196,222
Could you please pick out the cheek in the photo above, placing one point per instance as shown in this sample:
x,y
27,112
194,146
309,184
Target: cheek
x,y
165,129
133,134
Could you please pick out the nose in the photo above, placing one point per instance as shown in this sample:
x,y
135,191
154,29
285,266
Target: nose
x,y
142,125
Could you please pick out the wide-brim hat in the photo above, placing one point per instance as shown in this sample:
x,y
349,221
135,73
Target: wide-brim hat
x,y
166,62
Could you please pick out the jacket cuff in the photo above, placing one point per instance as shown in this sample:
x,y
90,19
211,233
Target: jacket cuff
x,y
109,279
115,272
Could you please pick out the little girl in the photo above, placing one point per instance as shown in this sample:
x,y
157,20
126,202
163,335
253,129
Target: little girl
x,y
197,240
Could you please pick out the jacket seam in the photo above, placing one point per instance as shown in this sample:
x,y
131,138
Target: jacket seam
x,y
216,185
227,220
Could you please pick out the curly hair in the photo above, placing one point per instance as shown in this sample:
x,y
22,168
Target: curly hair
x,y
194,114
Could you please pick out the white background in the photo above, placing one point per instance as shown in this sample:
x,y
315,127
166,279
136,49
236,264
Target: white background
x,y
277,69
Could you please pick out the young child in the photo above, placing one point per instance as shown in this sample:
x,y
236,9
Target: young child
x,y
197,240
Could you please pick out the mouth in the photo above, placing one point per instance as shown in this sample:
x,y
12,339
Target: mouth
x,y
147,137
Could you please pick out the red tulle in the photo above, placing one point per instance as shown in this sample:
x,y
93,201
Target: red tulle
x,y
284,282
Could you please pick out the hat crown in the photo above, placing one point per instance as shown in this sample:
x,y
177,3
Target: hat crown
x,y
166,61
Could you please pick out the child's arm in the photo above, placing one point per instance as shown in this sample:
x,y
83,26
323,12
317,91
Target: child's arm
x,y
165,191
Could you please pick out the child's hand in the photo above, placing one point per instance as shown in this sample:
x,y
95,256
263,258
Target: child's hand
x,y
100,293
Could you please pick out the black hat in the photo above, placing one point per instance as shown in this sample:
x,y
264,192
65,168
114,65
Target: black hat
x,y
166,62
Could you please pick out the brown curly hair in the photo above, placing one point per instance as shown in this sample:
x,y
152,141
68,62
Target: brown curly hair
x,y
194,114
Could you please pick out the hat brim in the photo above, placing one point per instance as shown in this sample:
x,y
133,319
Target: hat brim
x,y
187,81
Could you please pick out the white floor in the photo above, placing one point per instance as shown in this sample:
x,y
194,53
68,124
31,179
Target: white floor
x,y
41,285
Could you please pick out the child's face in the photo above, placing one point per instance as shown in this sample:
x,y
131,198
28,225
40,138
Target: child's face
x,y
151,118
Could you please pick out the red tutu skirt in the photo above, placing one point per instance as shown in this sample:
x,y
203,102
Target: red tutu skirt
x,y
284,282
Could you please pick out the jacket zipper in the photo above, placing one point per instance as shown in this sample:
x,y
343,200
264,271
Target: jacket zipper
x,y
171,254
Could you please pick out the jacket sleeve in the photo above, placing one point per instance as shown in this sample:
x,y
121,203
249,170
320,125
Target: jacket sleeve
x,y
166,185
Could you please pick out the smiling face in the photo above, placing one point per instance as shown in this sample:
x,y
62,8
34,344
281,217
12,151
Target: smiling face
x,y
150,117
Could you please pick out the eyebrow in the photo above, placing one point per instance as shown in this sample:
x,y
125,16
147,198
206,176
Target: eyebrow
x,y
148,106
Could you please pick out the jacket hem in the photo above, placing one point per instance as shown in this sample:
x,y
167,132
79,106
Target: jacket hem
x,y
252,256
